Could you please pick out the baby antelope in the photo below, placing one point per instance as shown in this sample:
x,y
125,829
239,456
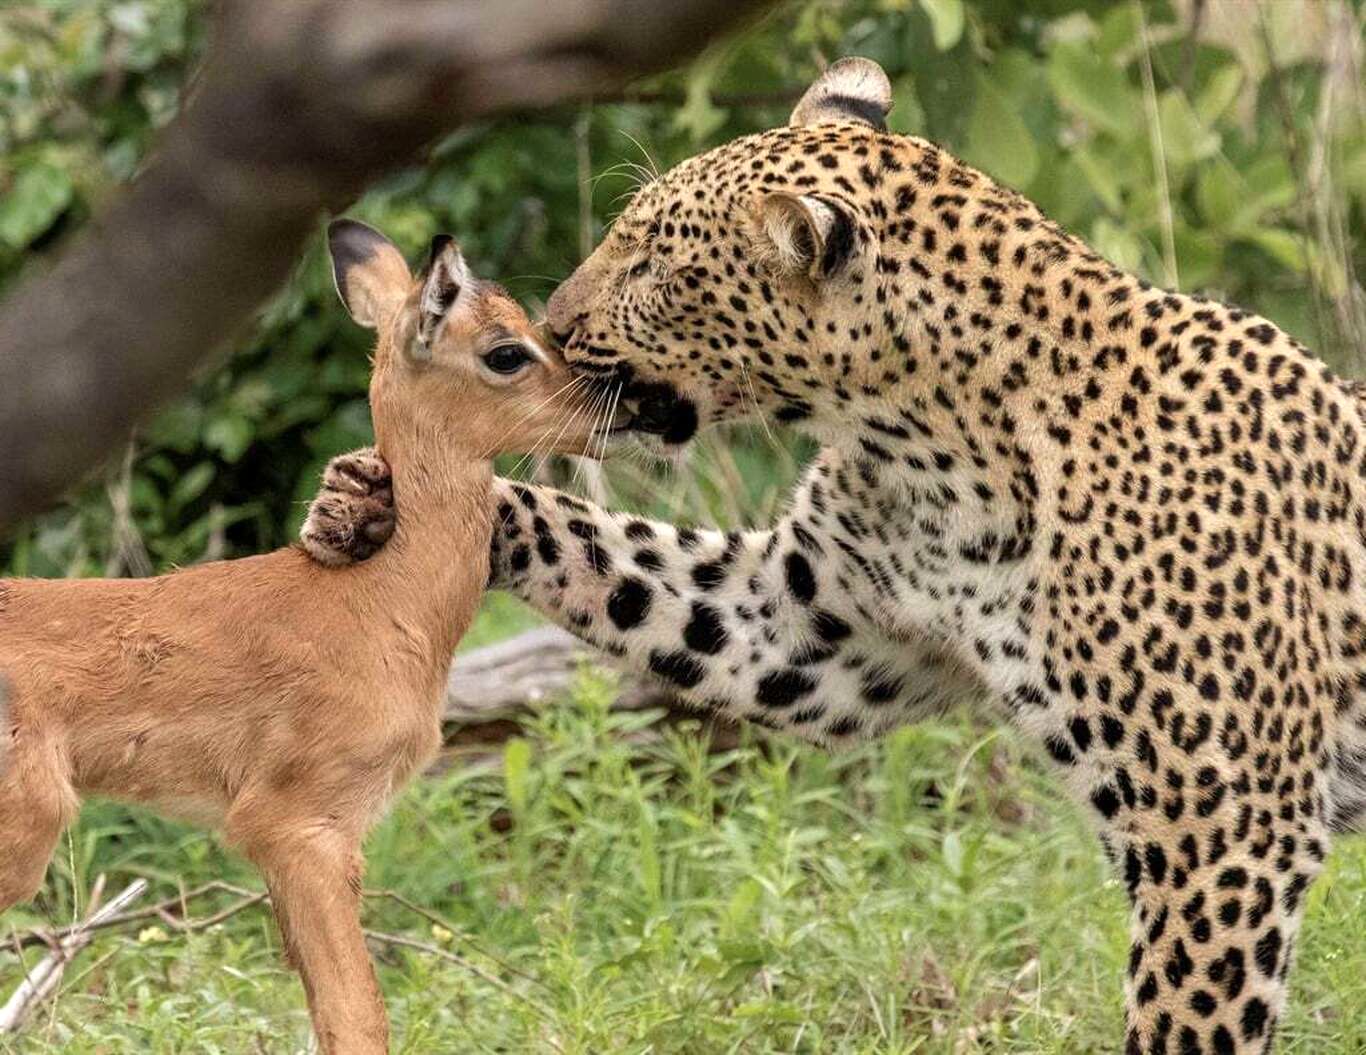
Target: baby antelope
x,y
283,701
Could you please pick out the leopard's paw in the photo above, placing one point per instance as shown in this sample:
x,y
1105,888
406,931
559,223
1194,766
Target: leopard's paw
x,y
353,515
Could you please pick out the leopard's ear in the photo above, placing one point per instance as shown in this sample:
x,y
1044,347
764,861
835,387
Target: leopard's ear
x,y
850,89
371,275
805,234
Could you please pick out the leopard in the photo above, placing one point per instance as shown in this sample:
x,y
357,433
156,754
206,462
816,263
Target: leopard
x,y
1126,521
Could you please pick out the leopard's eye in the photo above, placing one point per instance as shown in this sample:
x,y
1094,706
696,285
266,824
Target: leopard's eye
x,y
640,267
506,359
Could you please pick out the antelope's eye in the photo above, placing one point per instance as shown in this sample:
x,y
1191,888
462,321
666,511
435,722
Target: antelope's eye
x,y
506,358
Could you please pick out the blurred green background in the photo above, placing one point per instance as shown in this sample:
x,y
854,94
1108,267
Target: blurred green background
x,y
1212,146
626,888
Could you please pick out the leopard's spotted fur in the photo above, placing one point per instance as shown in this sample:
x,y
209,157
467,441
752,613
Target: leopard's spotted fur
x,y
1133,519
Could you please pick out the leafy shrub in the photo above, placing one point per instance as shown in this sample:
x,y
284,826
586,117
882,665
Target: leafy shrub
x,y
1216,148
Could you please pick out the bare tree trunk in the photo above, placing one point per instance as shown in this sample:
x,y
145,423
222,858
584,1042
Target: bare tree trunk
x,y
301,104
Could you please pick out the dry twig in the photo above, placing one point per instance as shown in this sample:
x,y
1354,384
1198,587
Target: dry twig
x,y
42,981
160,911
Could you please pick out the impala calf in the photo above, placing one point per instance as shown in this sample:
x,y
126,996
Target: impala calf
x,y
279,700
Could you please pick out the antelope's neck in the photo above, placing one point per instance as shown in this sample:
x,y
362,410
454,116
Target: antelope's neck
x,y
431,574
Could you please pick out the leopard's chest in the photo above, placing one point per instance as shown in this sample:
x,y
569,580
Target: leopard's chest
x,y
959,573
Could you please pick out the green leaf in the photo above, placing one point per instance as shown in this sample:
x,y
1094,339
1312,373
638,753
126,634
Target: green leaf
x,y
516,768
1116,244
348,427
230,435
178,426
1354,169
647,854
1285,247
1119,30
953,853
944,83
41,192
946,21
190,486
1271,183
1101,177
699,117
1199,256
1219,94
997,139
1092,88
742,909
1185,137
1222,195
907,116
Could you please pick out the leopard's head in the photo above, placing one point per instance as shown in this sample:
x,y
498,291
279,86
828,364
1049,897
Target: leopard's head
x,y
748,279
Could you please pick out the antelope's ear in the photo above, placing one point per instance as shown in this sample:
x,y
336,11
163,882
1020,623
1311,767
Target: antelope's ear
x,y
850,89
371,275
805,234
446,277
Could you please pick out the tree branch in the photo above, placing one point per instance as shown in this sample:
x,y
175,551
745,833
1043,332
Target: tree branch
x,y
300,105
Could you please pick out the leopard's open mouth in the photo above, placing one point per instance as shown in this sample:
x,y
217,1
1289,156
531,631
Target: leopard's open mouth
x,y
648,408
661,411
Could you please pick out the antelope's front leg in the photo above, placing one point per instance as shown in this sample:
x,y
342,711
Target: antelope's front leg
x,y
313,872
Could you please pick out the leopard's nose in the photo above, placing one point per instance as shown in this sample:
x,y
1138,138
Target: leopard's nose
x,y
560,313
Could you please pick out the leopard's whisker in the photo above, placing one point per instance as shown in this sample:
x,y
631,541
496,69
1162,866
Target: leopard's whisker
x,y
616,390
562,390
528,415
530,454
559,426
653,168
611,420
758,410
598,409
598,403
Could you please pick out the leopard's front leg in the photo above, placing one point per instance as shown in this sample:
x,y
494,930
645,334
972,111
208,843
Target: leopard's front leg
x,y
753,625
1217,878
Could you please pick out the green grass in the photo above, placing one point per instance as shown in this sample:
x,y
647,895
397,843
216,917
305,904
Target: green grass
x,y
932,893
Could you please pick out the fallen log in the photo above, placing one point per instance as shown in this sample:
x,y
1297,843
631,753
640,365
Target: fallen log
x,y
533,670
492,691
